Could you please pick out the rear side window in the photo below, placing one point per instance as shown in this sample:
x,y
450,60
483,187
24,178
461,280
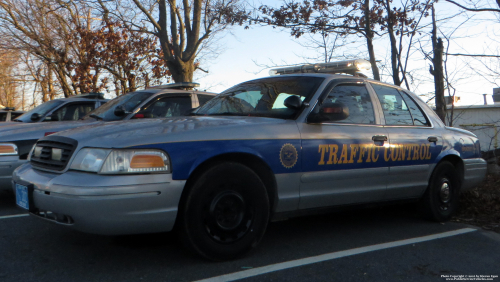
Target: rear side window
x,y
418,116
203,99
396,111
357,99
3,116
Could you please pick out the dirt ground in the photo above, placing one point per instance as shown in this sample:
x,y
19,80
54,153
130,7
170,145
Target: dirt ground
x,y
480,206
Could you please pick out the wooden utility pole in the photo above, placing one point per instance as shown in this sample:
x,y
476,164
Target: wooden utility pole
x,y
437,70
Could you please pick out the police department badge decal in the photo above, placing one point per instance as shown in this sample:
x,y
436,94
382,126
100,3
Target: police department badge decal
x,y
288,155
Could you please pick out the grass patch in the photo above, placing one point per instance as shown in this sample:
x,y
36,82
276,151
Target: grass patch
x,y
480,206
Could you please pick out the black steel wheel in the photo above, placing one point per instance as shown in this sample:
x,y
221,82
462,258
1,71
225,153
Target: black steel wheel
x,y
441,198
225,213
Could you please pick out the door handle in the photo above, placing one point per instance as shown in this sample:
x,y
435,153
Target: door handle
x,y
381,138
432,139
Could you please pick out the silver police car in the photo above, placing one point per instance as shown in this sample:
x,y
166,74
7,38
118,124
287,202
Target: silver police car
x,y
274,147
17,139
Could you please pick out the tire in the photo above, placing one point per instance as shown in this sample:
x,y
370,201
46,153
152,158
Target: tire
x,y
440,200
225,213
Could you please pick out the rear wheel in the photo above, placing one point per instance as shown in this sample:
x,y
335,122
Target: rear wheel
x,y
441,198
225,213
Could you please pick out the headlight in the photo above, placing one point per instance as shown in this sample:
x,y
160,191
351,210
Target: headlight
x,y
89,159
8,149
106,161
136,161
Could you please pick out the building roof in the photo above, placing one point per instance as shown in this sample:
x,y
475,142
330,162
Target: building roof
x,y
466,107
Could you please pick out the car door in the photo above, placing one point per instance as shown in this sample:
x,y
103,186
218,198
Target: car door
x,y
414,143
343,160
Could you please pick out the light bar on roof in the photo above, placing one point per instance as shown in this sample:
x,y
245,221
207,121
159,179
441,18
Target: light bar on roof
x,y
350,66
178,85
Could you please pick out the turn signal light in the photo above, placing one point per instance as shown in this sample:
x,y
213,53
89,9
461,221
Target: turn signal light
x,y
146,161
8,150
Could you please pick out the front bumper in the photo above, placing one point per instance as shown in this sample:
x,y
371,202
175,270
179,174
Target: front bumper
x,y
474,172
7,166
103,204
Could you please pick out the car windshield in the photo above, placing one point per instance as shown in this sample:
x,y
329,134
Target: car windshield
x,y
128,101
263,97
42,110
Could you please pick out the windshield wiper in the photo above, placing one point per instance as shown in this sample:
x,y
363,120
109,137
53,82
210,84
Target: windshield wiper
x,y
226,114
18,120
96,117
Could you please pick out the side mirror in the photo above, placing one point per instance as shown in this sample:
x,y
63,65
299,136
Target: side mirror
x,y
35,117
329,112
293,102
119,111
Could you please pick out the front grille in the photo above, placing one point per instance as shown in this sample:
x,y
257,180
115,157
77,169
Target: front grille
x,y
46,161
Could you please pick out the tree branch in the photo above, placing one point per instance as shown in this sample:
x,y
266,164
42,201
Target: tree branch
x,y
474,55
473,10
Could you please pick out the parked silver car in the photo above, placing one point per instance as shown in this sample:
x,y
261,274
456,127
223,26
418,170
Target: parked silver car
x,y
17,140
64,109
268,148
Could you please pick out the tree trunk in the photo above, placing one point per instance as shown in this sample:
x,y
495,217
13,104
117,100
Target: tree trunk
x,y
63,82
181,71
437,71
369,40
394,48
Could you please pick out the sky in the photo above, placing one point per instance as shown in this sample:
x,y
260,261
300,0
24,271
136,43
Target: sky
x,y
245,52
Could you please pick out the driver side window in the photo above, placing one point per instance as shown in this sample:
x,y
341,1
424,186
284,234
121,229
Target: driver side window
x,y
71,111
357,99
168,107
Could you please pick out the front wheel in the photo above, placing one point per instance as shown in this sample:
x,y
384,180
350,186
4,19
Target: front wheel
x,y
225,213
441,198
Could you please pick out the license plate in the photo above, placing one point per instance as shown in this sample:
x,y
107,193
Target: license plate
x,y
22,198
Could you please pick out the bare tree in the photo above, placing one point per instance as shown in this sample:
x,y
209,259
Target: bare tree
x,y
182,28
41,28
437,71
10,81
345,18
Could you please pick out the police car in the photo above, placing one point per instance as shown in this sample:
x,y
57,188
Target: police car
x,y
9,113
299,141
17,139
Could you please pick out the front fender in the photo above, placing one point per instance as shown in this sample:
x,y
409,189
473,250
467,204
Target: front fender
x,y
185,157
204,157
447,152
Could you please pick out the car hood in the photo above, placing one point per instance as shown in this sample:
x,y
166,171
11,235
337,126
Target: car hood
x,y
33,131
7,123
122,134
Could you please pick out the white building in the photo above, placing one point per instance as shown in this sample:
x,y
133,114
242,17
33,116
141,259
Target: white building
x,y
482,120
